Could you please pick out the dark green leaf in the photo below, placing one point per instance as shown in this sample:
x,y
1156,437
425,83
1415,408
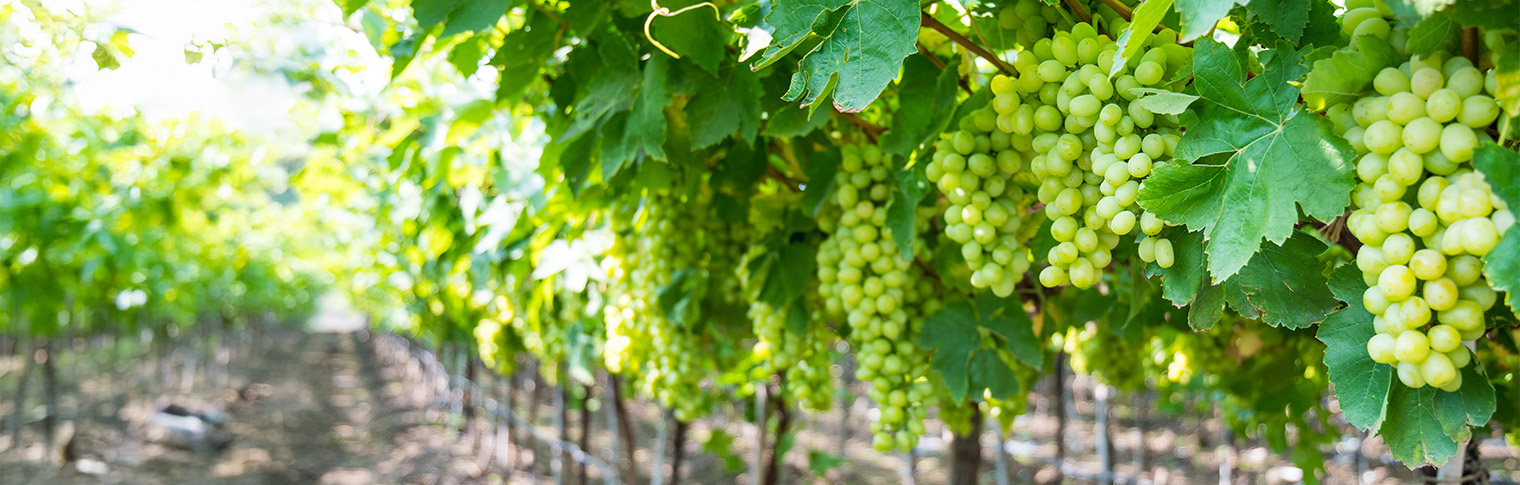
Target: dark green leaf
x,y
790,273
646,125
1501,169
951,333
1471,405
1287,283
925,94
1287,17
862,45
522,53
433,12
1411,430
820,184
474,16
696,35
1360,383
989,372
730,106
1487,14
901,210
1254,156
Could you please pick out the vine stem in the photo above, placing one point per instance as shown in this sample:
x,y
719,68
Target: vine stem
x,y
1470,44
933,23
960,81
872,130
1081,11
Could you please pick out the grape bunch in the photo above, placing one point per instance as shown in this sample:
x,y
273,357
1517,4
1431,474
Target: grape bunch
x,y
976,168
1425,217
803,359
881,293
1088,145
1031,20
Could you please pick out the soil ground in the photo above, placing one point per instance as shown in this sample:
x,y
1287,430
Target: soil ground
x,y
344,407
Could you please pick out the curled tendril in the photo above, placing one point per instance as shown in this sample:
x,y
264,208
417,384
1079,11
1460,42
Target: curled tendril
x,y
665,12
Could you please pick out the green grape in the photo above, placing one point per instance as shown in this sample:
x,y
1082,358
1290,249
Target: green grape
x,y
1423,263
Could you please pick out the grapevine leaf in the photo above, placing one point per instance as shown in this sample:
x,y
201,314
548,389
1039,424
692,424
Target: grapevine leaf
x,y
901,213
1143,22
609,87
925,94
696,35
1488,14
1164,102
1360,383
863,43
474,16
1286,283
646,124
1348,73
789,274
1471,405
989,372
1200,16
1287,17
1431,34
1413,433
433,12
1324,28
1260,155
1507,73
1501,169
951,334
522,53
730,106
785,119
1006,318
820,171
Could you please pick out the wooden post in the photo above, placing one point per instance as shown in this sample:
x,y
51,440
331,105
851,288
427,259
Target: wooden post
x,y
657,475
757,472
1105,442
561,459
585,441
783,421
966,451
611,408
1001,453
678,451
1060,405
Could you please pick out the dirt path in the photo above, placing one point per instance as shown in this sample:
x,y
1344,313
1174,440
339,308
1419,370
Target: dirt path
x,y
323,410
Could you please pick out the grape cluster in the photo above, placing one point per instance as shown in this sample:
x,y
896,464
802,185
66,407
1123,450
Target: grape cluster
x,y
804,359
976,168
1425,217
1088,145
1031,20
883,296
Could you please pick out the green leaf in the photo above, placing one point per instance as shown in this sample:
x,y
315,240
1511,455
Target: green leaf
x,y
1200,16
696,35
474,16
820,183
863,43
1348,73
1487,14
820,463
925,94
1360,383
951,333
1164,102
1142,24
1254,156
1287,17
1431,34
1472,405
433,12
522,53
790,273
1287,283
610,87
1501,169
351,6
989,372
646,125
901,213
1008,320
1413,433
1507,73
729,106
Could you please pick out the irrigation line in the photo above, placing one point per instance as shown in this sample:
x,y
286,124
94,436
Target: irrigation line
x,y
428,359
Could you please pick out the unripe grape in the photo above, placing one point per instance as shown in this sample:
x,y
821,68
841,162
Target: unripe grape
x,y
1396,282
1422,135
1425,81
1481,294
1437,370
1411,347
1164,253
1459,357
1464,316
1444,338
1405,107
1409,374
1458,142
1390,81
1381,348
1444,105
1384,137
1374,301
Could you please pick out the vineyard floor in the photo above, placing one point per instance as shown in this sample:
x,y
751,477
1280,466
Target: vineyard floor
x,y
340,408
